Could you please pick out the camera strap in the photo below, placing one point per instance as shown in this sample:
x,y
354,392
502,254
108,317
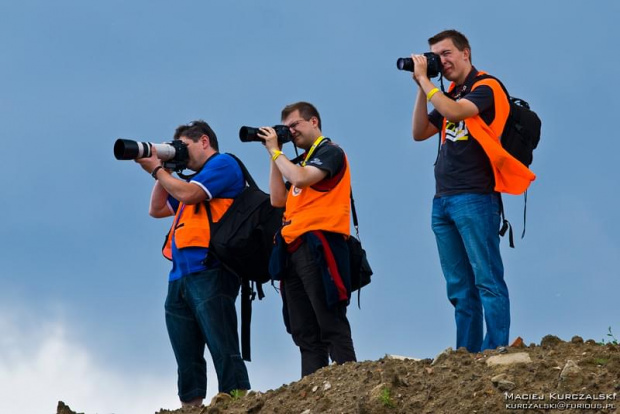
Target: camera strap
x,y
186,177
190,176
443,90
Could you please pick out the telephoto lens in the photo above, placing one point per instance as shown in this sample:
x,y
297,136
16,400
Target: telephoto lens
x,y
174,155
126,149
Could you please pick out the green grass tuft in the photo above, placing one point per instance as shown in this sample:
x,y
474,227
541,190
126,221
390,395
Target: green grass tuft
x,y
386,398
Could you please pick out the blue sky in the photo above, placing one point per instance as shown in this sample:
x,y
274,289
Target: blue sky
x,y
82,282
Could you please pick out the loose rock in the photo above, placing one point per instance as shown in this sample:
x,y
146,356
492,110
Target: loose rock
x,y
509,359
571,376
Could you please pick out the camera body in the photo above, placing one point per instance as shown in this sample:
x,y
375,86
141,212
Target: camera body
x,y
432,59
173,154
250,134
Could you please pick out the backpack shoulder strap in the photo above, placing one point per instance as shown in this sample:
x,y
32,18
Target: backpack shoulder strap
x,y
357,233
246,174
354,214
506,226
483,76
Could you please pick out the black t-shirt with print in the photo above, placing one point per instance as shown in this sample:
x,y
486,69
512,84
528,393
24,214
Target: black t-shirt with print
x,y
328,157
462,165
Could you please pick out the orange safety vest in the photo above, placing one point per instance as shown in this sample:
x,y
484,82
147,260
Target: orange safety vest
x,y
190,227
511,176
314,208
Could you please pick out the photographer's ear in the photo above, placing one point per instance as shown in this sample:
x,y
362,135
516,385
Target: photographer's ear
x,y
204,140
467,54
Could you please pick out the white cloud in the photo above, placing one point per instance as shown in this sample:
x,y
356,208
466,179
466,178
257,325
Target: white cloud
x,y
40,365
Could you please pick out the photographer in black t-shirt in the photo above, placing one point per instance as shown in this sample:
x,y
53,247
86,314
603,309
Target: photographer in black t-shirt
x,y
311,257
466,209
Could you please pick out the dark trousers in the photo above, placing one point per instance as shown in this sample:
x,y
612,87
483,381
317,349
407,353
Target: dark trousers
x,y
200,308
318,330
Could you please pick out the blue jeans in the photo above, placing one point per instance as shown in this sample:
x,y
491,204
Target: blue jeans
x,y
200,308
466,228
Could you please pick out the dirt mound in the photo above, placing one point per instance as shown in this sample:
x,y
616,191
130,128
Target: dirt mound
x,y
555,376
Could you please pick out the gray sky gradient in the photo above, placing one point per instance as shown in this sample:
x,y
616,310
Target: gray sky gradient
x,y
82,280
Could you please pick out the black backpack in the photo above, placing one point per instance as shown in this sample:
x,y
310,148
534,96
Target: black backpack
x,y
520,138
522,130
242,241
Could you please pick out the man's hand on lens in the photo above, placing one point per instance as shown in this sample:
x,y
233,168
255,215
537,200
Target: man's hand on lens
x,y
420,67
150,163
413,74
271,139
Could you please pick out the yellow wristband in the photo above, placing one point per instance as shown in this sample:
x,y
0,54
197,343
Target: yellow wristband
x,y
276,154
430,94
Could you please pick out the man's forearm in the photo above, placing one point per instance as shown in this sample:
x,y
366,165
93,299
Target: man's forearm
x,y
420,122
277,188
185,192
454,111
159,202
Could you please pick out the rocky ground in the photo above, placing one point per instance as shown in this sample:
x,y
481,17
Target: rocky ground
x,y
553,377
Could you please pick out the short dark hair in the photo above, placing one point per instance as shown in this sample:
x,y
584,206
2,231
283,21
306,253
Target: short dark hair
x,y
194,130
458,38
306,110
